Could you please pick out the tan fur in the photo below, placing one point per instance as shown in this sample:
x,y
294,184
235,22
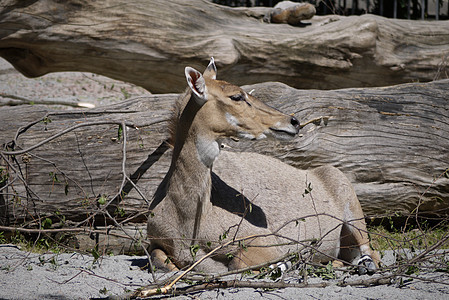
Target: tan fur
x,y
198,206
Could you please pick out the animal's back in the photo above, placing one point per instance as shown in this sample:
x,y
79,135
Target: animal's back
x,y
283,197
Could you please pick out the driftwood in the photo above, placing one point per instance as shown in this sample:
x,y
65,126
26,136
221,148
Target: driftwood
x,y
391,142
148,43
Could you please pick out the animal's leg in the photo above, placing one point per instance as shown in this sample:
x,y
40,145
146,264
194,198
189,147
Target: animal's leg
x,y
354,241
337,264
212,264
161,261
355,244
250,256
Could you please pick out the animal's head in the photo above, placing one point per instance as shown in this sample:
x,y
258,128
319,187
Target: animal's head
x,y
228,111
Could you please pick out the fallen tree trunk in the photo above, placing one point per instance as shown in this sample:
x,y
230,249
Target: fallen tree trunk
x,y
148,43
391,142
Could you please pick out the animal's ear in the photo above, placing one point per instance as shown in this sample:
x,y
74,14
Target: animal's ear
x,y
197,84
211,70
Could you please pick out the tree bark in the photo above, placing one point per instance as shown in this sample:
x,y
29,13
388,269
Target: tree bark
x,y
148,43
391,142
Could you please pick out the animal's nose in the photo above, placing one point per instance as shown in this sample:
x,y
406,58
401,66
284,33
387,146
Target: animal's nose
x,y
295,123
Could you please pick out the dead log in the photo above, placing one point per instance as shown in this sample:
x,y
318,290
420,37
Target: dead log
x,y
391,142
148,43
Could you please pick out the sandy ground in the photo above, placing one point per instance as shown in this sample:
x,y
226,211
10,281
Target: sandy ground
x,y
25,275
69,87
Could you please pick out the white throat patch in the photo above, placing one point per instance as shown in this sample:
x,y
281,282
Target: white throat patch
x,y
207,151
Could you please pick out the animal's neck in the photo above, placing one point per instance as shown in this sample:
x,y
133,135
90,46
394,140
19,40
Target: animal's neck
x,y
190,179
189,183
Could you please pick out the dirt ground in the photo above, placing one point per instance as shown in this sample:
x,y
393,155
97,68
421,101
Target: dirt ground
x,y
63,87
25,275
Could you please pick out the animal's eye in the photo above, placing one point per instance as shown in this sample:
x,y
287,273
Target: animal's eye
x,y
238,97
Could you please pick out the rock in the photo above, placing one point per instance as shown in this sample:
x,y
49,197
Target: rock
x,y
291,13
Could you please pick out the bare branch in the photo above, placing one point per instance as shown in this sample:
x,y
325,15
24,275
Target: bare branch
x,y
22,101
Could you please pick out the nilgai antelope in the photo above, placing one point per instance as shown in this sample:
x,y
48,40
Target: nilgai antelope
x,y
206,200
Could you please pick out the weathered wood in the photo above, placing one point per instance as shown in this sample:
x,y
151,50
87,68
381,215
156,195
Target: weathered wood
x,y
87,161
391,142
148,43
127,239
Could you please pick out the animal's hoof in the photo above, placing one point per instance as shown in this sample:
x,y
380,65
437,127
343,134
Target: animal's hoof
x,y
366,265
282,266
